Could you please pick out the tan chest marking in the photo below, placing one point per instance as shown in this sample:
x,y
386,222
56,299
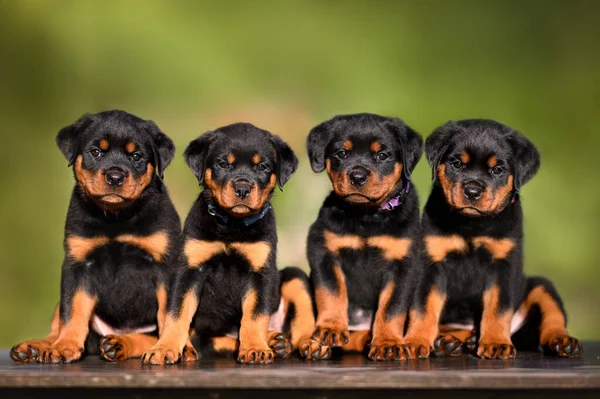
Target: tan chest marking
x,y
200,251
438,247
392,248
499,248
78,248
157,244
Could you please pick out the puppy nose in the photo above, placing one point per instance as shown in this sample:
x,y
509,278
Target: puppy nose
x,y
472,191
242,189
358,178
114,178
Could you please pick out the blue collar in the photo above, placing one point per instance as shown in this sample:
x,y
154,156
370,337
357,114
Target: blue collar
x,y
225,219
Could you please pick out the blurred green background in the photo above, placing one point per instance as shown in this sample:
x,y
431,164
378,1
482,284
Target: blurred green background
x,y
286,66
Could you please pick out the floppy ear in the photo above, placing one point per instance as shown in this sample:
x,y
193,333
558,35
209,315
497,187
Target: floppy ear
x,y
317,141
437,144
69,137
527,158
163,148
411,143
195,154
287,162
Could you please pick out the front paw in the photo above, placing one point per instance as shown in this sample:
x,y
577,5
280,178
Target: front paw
x,y
331,335
564,346
387,350
280,344
64,351
112,349
161,354
313,350
416,349
496,350
258,355
29,350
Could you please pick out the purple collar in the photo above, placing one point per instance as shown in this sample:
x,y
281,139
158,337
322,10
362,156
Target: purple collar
x,y
396,201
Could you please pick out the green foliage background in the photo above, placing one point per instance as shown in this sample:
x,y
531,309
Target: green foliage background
x,y
285,66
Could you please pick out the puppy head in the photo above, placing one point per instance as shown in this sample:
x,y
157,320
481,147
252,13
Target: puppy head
x,y
365,155
480,164
115,156
240,164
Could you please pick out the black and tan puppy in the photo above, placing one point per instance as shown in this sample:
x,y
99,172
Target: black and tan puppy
x,y
121,235
227,276
473,240
363,247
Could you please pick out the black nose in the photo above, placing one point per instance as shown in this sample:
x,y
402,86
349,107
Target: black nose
x,y
358,178
242,189
472,191
114,178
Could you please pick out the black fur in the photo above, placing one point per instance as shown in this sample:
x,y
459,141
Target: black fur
x,y
350,143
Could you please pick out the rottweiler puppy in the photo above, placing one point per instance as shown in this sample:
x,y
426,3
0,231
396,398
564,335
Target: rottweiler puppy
x,y
121,236
227,284
363,248
473,241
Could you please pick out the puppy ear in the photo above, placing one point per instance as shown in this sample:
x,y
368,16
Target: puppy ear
x,y
317,141
287,162
437,144
527,158
411,143
69,137
196,153
163,148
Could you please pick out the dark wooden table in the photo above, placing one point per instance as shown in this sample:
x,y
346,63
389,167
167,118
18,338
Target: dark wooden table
x,y
530,373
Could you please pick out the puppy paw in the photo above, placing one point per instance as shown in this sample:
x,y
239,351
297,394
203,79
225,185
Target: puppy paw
x,y
113,349
470,343
189,353
331,335
313,350
65,351
387,350
161,354
416,349
493,350
258,355
29,350
564,346
447,345
280,344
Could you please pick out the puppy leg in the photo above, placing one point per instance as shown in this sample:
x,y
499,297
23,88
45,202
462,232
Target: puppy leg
x,y
388,326
254,347
299,312
30,350
332,309
182,304
122,347
552,333
495,342
75,314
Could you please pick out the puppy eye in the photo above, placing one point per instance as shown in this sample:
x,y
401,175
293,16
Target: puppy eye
x,y
262,167
136,156
457,164
497,170
95,152
222,164
382,156
342,154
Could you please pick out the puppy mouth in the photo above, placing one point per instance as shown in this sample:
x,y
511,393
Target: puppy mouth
x,y
112,198
356,198
472,211
241,210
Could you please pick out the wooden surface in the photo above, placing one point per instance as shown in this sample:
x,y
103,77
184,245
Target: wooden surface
x,y
528,371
